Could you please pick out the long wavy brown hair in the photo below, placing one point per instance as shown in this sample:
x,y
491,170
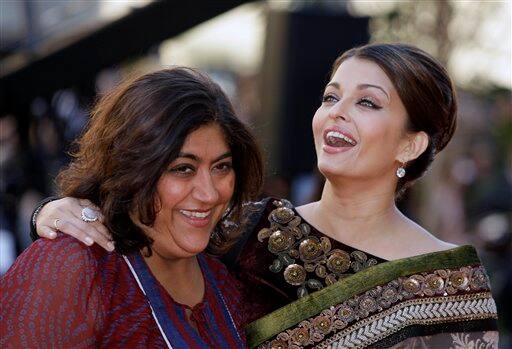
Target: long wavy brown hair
x,y
135,131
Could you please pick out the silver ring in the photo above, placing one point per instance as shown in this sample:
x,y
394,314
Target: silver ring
x,y
89,215
55,223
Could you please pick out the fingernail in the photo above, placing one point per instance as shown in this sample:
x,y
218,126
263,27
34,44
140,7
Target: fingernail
x,y
88,241
110,246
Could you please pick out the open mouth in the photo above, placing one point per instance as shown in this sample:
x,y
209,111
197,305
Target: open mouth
x,y
197,218
338,140
196,214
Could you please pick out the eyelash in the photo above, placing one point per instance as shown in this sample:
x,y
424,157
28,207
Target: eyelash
x,y
365,101
224,166
182,170
326,98
186,170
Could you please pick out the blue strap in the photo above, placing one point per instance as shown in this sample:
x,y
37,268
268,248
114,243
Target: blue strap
x,y
150,286
225,311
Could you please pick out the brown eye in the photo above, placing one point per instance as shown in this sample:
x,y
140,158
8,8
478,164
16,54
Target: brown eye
x,y
182,170
224,167
366,102
329,99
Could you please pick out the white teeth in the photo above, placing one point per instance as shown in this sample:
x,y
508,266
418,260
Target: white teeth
x,y
195,214
340,136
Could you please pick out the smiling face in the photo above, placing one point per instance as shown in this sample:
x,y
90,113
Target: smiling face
x,y
193,194
359,129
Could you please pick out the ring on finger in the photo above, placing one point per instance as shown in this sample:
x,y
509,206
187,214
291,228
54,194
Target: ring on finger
x,y
89,215
56,223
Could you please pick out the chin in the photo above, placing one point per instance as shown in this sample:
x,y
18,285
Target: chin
x,y
330,169
194,248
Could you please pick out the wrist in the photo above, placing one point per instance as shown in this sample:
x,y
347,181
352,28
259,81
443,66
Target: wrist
x,y
33,220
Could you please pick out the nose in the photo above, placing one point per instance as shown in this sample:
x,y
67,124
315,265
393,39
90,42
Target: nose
x,y
205,190
338,111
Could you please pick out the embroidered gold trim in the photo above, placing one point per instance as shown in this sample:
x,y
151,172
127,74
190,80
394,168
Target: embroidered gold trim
x,y
308,262
427,311
410,290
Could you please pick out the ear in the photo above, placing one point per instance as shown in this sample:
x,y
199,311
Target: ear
x,y
413,146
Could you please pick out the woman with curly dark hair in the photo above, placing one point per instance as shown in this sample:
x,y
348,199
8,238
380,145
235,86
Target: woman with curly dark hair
x,y
350,270
164,158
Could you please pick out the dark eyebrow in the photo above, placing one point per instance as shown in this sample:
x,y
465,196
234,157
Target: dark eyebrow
x,y
333,84
359,87
223,156
195,158
364,86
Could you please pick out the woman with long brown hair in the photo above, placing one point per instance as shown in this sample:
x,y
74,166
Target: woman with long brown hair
x,y
164,158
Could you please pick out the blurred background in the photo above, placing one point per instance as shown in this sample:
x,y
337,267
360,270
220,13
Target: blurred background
x,y
273,59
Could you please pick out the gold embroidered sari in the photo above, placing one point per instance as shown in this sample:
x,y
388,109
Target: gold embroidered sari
x,y
348,299
437,300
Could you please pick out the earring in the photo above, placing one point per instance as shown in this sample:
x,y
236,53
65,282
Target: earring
x,y
400,171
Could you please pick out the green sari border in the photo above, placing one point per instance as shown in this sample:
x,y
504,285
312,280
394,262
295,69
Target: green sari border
x,y
293,313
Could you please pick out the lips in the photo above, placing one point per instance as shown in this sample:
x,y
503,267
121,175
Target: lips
x,y
197,218
337,138
196,214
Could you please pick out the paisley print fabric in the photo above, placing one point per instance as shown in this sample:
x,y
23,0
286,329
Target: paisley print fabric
x,y
63,294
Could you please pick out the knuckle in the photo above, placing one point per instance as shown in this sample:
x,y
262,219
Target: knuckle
x,y
68,226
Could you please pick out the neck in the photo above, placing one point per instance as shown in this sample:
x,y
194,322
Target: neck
x,y
181,277
161,266
356,213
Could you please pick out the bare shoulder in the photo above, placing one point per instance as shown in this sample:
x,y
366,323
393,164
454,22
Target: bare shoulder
x,y
417,241
306,210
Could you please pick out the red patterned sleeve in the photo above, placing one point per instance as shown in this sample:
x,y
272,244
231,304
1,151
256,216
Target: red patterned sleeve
x,y
50,297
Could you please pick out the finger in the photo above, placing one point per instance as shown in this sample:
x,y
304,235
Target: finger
x,y
101,217
87,203
47,232
102,229
68,227
98,225
45,226
97,232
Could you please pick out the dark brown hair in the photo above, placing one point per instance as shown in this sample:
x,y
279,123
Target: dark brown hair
x,y
425,90
135,132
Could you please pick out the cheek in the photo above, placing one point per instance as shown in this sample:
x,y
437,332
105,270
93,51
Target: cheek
x,y
230,186
227,187
170,192
381,137
317,125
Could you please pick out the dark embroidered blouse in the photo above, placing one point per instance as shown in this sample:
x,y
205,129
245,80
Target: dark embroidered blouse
x,y
280,257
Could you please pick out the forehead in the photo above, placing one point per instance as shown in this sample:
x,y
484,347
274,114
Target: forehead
x,y
360,71
206,139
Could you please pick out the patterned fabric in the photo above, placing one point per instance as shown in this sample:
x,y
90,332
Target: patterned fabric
x,y
219,322
63,294
306,290
360,312
307,260
471,340
266,272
